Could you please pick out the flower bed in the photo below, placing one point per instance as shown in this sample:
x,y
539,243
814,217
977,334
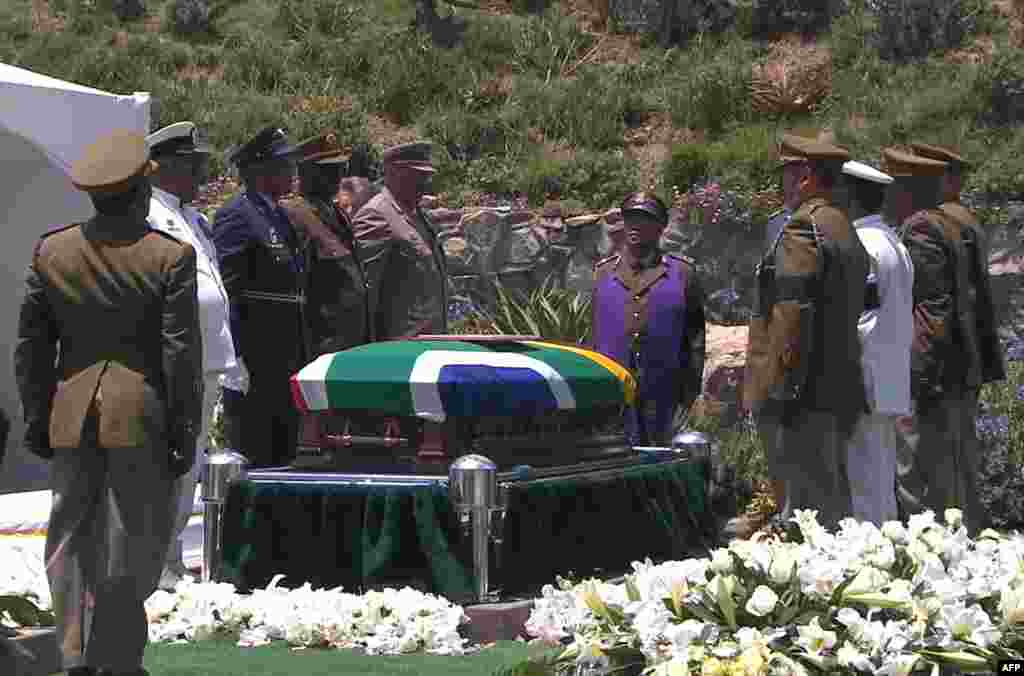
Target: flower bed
x,y
863,600
383,623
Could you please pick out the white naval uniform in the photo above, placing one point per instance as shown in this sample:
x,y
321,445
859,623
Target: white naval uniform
x,y
885,335
186,223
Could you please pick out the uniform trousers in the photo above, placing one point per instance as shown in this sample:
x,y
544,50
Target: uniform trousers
x,y
269,421
871,467
812,464
186,485
105,548
941,471
769,430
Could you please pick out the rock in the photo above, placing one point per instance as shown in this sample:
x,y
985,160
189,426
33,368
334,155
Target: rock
x,y
525,246
458,253
582,220
725,357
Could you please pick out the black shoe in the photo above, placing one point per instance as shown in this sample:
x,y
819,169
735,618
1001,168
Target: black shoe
x,y
82,671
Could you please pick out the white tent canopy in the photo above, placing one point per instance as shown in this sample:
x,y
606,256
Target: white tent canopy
x,y
45,124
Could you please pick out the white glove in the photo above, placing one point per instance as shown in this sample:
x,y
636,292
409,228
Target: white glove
x,y
236,378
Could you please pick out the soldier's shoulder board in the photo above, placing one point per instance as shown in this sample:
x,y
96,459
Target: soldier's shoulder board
x,y
614,258
49,233
171,236
682,257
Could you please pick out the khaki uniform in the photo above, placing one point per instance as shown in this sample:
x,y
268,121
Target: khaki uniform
x,y
336,310
109,365
669,355
955,351
406,272
804,353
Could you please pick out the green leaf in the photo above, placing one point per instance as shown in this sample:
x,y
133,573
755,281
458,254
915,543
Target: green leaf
x,y
632,593
26,613
726,603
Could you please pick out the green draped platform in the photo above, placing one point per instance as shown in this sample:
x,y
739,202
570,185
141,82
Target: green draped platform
x,y
360,537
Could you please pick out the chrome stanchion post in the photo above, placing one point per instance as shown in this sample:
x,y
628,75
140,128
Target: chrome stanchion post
x,y
694,446
222,469
473,487
498,513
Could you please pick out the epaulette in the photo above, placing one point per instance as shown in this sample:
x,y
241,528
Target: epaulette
x,y
608,259
56,229
169,236
682,257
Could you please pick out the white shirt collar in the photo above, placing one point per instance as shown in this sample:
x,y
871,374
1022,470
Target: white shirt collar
x,y
168,200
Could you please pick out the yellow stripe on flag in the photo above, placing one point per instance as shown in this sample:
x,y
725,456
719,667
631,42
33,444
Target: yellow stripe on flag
x,y
616,369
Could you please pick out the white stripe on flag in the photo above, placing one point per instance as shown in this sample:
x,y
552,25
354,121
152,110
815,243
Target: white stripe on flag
x,y
426,398
313,382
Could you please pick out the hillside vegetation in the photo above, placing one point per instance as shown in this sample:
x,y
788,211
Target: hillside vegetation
x,y
549,100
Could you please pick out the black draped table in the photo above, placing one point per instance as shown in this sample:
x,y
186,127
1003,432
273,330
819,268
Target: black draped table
x,y
330,533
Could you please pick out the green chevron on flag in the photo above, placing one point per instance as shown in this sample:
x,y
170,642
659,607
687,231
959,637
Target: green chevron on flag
x,y
435,379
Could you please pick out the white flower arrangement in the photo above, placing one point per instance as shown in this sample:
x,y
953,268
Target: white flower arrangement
x,y
863,600
388,622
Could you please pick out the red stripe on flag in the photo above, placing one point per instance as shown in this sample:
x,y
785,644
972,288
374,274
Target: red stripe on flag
x,y
297,398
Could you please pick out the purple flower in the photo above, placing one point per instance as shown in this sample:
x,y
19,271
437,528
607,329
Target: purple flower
x,y
1020,393
992,428
1015,349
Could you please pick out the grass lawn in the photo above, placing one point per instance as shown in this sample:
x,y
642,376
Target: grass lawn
x,y
224,658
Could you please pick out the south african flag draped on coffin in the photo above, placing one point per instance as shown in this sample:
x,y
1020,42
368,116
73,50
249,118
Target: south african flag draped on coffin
x,y
436,379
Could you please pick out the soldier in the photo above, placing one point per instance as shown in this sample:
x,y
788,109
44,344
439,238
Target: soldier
x,y
648,314
886,330
182,157
947,362
406,272
109,367
804,351
993,367
262,269
336,288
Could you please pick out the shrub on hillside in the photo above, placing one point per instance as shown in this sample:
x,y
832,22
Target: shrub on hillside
x,y
128,10
775,17
715,89
587,111
1002,85
1000,428
191,18
911,29
597,179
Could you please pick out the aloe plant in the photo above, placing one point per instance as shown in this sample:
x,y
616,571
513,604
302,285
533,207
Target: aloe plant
x,y
548,311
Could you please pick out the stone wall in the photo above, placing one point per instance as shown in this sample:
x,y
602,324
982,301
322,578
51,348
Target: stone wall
x,y
524,248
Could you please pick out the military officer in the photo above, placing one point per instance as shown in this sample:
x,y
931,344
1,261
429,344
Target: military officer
x,y
947,362
648,314
336,288
886,328
262,268
993,366
406,271
182,156
803,344
109,367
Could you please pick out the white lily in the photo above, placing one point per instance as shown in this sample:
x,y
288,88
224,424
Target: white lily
x,y
762,602
814,639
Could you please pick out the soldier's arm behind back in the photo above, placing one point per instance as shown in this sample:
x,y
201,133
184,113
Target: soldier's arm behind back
x,y
35,355
182,347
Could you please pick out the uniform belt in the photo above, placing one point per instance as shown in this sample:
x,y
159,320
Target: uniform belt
x,y
275,297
